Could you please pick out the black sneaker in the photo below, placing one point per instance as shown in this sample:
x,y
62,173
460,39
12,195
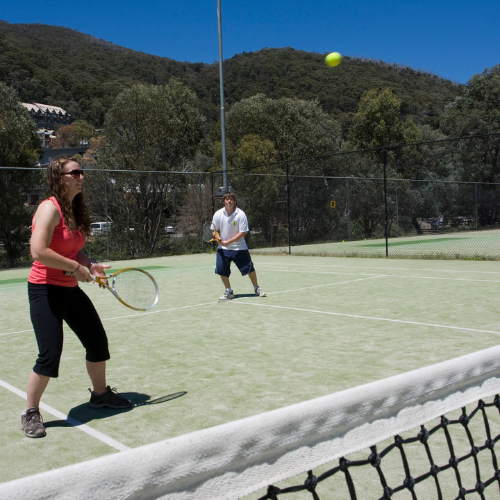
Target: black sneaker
x,y
110,399
32,423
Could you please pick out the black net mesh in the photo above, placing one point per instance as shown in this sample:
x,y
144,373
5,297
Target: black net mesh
x,y
455,458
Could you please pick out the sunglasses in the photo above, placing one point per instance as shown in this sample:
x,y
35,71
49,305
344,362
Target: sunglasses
x,y
74,173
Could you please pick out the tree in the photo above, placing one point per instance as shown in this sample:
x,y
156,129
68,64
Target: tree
x,y
478,160
149,128
81,132
477,112
378,121
377,124
296,128
77,133
19,149
256,189
63,136
287,131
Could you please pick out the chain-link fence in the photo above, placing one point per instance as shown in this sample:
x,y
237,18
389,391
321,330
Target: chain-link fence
x,y
436,199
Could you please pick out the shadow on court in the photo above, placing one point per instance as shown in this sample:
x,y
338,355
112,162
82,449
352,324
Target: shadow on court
x,y
83,414
244,295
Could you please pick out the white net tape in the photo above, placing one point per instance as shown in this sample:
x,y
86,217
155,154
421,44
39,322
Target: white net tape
x,y
236,459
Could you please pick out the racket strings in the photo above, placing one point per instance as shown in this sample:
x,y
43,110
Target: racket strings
x,y
136,289
208,232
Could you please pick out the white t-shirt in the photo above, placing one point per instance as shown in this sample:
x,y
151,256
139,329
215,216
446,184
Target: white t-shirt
x,y
230,225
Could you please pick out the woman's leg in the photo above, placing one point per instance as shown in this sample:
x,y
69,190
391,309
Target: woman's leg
x,y
97,374
36,387
46,311
83,319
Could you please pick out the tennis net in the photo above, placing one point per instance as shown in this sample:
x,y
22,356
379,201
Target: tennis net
x,y
388,422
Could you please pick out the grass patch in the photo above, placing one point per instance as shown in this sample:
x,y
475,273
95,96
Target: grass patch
x,y
411,242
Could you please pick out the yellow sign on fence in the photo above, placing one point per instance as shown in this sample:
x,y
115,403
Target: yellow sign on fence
x,y
333,204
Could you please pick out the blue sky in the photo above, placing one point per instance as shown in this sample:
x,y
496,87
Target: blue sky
x,y
454,39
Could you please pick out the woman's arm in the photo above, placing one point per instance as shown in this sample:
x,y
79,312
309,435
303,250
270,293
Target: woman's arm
x,y
45,220
95,268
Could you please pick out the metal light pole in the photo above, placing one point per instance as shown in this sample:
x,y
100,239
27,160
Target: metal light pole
x,y
222,113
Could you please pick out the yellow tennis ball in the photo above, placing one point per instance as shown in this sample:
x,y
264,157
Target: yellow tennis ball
x,y
333,59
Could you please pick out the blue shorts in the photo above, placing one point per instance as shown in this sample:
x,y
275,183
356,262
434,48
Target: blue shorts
x,y
241,258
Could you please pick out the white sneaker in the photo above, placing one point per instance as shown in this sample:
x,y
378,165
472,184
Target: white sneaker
x,y
228,295
259,292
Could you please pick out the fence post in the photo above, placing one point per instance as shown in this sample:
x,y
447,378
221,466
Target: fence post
x,y
437,207
347,211
397,210
385,204
200,199
288,206
212,191
106,212
475,196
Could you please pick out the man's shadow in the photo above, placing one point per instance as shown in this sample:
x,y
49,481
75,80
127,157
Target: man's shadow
x,y
244,295
83,414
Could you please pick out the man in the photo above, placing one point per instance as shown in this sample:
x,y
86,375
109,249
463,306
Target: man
x,y
232,225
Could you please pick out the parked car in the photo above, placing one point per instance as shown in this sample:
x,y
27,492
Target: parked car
x,y
100,227
169,229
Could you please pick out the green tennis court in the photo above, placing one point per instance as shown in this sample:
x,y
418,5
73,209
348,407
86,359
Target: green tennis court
x,y
475,245
327,324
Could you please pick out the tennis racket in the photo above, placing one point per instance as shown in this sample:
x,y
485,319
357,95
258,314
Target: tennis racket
x,y
133,287
209,233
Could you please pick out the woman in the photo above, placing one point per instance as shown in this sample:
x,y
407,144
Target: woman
x,y
59,230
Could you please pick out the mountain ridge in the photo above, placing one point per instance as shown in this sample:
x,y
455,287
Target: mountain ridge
x,y
83,74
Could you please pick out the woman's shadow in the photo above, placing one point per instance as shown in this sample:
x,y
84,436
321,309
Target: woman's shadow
x,y
83,414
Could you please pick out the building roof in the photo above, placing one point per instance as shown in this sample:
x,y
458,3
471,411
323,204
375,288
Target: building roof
x,y
43,108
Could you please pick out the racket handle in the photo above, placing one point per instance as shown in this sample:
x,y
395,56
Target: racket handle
x,y
70,273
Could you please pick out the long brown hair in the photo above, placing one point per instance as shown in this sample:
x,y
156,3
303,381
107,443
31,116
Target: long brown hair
x,y
75,211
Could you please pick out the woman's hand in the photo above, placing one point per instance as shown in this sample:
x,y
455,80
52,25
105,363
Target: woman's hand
x,y
98,269
81,274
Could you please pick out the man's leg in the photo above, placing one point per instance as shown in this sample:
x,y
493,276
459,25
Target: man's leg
x,y
225,281
253,278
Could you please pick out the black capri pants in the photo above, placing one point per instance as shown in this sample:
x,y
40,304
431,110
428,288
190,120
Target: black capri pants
x,y
49,306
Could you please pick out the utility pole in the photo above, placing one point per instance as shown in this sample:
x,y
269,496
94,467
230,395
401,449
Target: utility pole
x,y
225,187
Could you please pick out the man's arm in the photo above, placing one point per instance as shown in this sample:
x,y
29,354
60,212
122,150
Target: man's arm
x,y
235,238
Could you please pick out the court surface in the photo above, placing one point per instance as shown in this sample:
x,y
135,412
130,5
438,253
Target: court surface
x,y
327,324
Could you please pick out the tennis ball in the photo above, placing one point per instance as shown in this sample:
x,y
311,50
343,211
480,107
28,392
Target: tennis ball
x,y
333,59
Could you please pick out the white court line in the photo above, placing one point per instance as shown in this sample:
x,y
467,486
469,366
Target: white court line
x,y
384,268
306,271
71,421
326,284
12,333
357,316
135,315
139,315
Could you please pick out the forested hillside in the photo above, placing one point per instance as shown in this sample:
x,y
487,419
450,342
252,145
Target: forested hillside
x,y
84,74
289,117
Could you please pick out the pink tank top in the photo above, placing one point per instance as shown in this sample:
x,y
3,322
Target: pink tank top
x,y
66,243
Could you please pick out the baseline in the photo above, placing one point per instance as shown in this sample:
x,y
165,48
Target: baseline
x,y
71,421
357,316
382,275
